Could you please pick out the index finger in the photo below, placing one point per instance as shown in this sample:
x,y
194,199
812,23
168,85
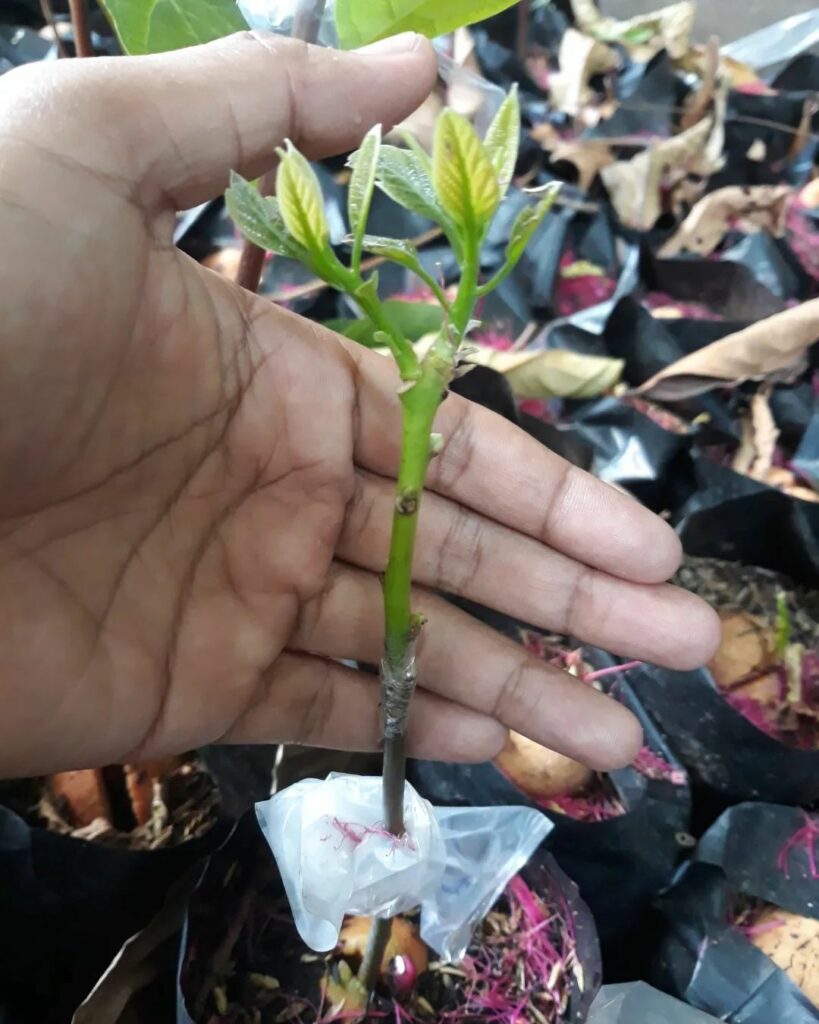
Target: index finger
x,y
490,465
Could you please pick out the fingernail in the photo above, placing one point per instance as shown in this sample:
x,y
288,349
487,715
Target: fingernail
x,y
393,46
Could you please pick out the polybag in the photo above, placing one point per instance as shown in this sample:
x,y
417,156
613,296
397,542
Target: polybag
x,y
336,857
753,849
638,1003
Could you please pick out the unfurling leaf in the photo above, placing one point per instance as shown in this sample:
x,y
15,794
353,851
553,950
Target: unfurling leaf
x,y
359,23
301,201
259,219
465,180
394,249
362,182
528,221
403,176
502,140
154,26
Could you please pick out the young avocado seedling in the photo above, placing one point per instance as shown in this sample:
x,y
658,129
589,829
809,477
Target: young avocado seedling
x,y
459,188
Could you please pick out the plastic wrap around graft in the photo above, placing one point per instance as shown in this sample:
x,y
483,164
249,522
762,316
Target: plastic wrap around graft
x,y
336,857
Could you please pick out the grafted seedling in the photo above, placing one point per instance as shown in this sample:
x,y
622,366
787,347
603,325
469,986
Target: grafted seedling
x,y
460,188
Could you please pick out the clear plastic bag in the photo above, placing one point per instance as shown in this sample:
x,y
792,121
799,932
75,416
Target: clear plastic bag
x,y
777,43
335,857
316,23
639,1003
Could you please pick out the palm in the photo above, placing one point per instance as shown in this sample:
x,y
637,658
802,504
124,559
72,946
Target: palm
x,y
196,488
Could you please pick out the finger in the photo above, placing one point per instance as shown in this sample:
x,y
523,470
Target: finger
x,y
195,114
320,703
490,465
466,554
464,661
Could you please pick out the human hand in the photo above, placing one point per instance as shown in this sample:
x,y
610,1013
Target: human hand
x,y
196,486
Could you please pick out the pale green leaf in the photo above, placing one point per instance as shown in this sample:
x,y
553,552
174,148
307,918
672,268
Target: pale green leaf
x,y
414,320
502,140
528,221
259,219
362,181
301,201
153,26
363,21
394,249
404,178
462,173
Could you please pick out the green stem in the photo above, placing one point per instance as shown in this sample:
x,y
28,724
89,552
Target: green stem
x,y
420,405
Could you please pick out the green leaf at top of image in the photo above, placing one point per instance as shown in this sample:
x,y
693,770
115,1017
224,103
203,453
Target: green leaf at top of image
x,y
154,26
360,22
413,319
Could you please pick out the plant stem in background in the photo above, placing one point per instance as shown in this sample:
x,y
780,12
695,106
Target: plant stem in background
x,y
48,14
306,23
83,44
523,29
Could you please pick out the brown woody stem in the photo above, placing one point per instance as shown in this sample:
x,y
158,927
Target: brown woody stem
x,y
83,43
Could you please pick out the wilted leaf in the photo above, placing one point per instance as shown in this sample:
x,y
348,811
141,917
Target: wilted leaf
x,y
553,373
589,156
414,320
301,201
636,185
404,178
769,347
361,23
755,454
462,173
734,208
580,58
362,181
699,101
668,28
259,219
153,26
502,140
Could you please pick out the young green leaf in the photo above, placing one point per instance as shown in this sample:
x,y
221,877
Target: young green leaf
x,y
259,219
463,176
301,201
528,221
404,178
413,319
153,26
394,249
362,184
363,21
502,140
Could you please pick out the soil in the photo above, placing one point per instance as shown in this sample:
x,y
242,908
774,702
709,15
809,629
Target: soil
x,y
767,667
185,806
268,977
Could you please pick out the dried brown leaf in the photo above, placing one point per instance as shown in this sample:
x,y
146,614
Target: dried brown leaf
x,y
772,347
636,185
667,28
553,373
580,58
697,104
747,209
589,157
404,941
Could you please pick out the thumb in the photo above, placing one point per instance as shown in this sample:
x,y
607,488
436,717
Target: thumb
x,y
187,118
